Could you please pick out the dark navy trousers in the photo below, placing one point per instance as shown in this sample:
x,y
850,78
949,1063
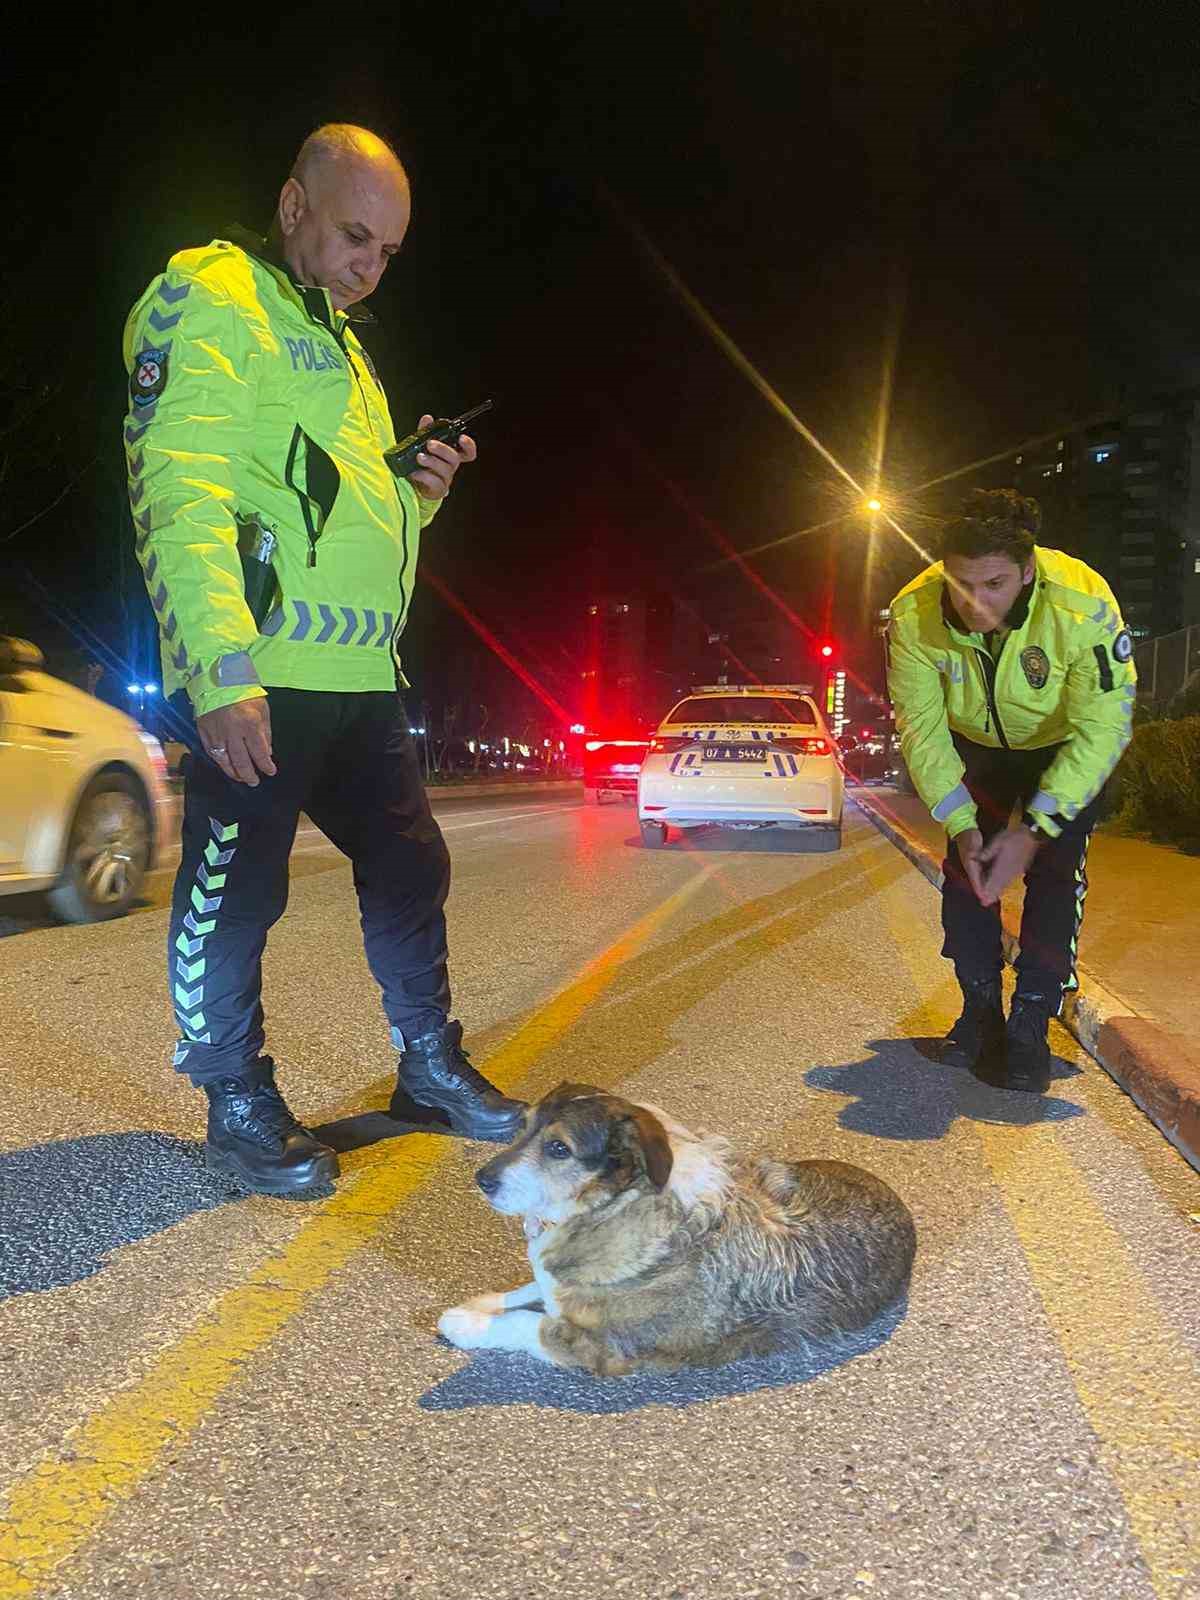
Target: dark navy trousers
x,y
349,762
1000,781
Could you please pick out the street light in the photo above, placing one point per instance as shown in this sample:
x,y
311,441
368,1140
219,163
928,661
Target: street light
x,y
873,504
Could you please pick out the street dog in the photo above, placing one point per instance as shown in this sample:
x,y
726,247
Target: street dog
x,y
655,1248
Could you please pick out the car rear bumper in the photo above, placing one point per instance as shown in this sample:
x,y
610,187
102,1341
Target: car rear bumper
x,y
792,802
780,817
618,783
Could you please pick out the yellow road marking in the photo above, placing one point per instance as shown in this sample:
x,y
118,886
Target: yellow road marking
x,y
57,1506
1135,1378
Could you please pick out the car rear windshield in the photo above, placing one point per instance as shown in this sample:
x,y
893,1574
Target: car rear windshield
x,y
720,710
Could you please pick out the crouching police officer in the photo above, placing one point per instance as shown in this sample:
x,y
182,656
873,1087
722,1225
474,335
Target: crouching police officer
x,y
1012,678
256,420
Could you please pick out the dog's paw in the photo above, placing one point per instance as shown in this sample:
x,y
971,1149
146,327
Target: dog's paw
x,y
493,1305
466,1326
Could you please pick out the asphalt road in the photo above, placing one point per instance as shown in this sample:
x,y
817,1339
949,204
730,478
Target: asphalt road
x,y
211,1396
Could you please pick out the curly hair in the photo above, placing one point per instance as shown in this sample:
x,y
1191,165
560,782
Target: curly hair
x,y
994,522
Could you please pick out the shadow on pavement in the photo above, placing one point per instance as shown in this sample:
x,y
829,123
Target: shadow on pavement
x,y
365,1128
903,1092
492,1378
68,1205
744,841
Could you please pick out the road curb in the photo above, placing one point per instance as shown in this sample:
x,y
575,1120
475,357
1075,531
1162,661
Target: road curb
x,y
1158,1069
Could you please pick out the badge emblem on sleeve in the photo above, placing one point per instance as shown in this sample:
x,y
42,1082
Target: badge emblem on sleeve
x,y
149,376
1035,664
1122,645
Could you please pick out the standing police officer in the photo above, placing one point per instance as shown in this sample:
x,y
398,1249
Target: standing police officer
x,y
257,425
1012,677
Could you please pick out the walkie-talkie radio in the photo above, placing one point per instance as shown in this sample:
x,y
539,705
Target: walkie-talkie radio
x,y
256,547
402,457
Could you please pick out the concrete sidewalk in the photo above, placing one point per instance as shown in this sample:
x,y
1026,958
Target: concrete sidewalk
x,y
1137,1011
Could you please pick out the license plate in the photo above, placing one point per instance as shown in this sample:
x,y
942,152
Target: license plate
x,y
734,752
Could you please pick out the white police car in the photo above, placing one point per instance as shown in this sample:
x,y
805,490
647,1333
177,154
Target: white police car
x,y
742,757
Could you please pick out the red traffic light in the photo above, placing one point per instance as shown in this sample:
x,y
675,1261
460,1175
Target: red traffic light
x,y
827,651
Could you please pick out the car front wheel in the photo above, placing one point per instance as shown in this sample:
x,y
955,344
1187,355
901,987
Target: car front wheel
x,y
108,852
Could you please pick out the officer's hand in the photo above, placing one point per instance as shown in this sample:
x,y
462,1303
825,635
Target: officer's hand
x,y
1005,859
969,844
238,739
438,462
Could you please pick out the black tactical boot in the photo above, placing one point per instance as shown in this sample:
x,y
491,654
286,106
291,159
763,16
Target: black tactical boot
x,y
254,1138
976,1041
1026,1047
434,1071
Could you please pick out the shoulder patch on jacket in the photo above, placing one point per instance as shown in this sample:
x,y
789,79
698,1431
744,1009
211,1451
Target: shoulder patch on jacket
x,y
1035,664
148,378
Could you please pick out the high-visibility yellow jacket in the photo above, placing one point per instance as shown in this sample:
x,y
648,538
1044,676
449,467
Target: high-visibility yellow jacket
x,y
253,406
1063,675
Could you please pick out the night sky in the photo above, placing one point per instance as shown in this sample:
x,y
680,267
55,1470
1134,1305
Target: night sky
x,y
1003,195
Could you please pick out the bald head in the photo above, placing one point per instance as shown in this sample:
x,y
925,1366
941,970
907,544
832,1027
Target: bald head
x,y
344,211
339,150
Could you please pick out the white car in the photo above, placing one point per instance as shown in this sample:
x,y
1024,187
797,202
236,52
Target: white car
x,y
81,793
754,757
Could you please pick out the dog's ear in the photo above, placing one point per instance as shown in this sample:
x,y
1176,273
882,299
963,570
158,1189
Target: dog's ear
x,y
650,1137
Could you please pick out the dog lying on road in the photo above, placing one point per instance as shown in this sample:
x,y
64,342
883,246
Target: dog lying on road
x,y
653,1248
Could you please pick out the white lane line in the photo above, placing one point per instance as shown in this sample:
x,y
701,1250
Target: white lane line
x,y
452,827
512,816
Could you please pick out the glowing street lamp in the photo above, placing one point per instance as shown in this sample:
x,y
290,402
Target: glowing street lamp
x,y
873,504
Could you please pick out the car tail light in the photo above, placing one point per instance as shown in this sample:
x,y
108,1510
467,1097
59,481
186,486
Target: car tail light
x,y
815,746
155,755
617,744
668,745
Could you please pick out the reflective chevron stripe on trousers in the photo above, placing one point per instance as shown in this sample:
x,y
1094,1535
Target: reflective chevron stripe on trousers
x,y
348,762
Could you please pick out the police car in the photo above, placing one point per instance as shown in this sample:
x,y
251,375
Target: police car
x,y
742,757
